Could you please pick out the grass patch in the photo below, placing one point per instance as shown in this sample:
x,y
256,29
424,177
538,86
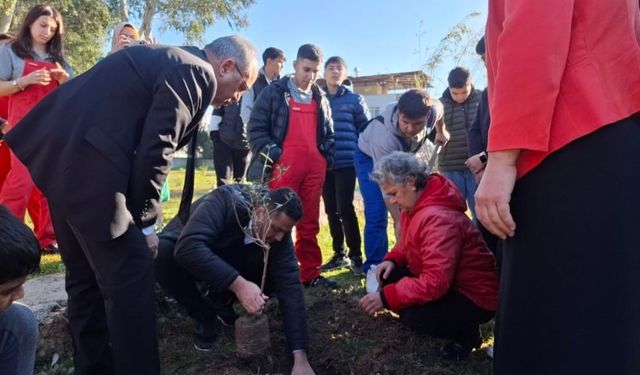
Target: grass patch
x,y
50,263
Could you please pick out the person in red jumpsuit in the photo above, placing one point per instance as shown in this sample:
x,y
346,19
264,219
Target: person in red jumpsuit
x,y
30,68
291,138
4,114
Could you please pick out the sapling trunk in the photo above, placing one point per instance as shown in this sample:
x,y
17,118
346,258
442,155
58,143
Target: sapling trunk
x,y
252,331
264,267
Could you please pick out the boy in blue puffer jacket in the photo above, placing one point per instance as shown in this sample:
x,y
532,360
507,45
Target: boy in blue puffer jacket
x,y
349,111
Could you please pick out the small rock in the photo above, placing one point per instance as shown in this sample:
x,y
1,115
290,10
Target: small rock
x,y
55,359
55,336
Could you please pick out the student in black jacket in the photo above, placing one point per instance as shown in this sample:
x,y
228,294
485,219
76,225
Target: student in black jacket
x,y
213,260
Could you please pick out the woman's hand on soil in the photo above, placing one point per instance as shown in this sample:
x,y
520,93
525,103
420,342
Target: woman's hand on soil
x,y
372,303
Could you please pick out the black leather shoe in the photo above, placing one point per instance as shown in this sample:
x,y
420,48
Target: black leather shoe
x,y
206,334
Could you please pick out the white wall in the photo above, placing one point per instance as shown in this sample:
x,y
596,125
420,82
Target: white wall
x,y
377,103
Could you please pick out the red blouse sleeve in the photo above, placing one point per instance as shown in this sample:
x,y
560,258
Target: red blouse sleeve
x,y
528,44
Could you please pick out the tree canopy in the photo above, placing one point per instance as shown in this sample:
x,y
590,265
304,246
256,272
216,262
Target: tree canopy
x,y
88,22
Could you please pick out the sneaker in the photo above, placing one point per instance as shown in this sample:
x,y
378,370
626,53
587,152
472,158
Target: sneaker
x,y
322,281
51,249
337,261
356,266
206,334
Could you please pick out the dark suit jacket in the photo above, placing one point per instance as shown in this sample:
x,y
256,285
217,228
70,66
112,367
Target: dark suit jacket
x,y
101,145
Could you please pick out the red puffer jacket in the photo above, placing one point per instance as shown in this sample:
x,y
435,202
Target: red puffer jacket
x,y
443,250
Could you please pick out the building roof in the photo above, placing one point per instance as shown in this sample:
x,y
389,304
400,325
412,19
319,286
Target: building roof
x,y
402,80
382,84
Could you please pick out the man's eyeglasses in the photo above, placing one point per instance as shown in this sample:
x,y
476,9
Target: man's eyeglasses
x,y
244,86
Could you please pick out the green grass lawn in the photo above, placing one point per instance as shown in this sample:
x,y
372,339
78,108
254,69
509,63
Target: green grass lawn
x,y
204,182
344,340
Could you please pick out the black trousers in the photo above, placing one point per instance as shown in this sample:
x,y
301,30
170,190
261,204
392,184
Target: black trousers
x,y
494,243
111,306
337,195
229,163
454,316
181,285
570,283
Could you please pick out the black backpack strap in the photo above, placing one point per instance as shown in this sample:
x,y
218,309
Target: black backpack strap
x,y
428,136
362,127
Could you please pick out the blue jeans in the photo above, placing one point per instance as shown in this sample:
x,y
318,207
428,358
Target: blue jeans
x,y
375,212
18,339
466,183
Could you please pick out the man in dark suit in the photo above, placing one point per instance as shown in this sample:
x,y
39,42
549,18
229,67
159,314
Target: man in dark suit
x,y
100,148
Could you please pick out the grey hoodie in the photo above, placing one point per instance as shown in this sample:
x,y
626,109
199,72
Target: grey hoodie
x,y
380,139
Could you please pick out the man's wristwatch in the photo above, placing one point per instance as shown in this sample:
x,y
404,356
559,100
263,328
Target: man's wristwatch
x,y
483,158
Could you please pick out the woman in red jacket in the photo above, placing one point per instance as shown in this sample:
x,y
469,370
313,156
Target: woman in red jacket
x,y
30,68
564,157
440,278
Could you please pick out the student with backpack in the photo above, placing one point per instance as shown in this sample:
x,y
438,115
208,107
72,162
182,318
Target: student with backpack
x,y
401,127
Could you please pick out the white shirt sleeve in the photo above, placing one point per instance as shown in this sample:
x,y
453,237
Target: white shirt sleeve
x,y
246,105
214,125
149,230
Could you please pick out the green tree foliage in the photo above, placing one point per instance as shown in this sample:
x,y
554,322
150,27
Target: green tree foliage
x,y
188,17
191,18
6,14
85,24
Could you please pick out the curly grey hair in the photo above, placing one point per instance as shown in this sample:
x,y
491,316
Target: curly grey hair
x,y
397,166
235,47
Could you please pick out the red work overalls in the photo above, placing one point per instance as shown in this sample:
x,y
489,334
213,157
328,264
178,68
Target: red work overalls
x,y
302,168
19,192
4,150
